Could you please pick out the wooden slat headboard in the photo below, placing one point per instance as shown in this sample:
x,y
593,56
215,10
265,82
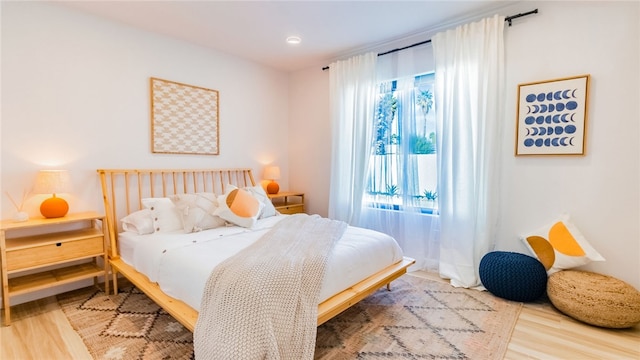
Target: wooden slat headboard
x,y
124,189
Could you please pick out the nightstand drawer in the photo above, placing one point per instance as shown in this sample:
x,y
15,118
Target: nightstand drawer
x,y
291,209
47,254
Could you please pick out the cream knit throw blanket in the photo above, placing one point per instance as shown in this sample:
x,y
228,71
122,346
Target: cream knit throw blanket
x,y
263,302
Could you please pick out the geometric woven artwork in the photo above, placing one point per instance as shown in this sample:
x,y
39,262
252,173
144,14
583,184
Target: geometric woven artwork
x,y
184,118
552,117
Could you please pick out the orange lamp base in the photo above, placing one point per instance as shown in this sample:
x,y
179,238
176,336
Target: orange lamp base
x,y
54,207
273,187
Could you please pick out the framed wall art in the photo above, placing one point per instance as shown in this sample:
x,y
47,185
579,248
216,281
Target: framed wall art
x,y
552,117
184,118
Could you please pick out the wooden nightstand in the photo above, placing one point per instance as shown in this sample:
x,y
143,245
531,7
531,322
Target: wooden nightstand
x,y
288,202
54,244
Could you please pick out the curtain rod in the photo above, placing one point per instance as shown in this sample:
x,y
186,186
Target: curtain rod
x,y
508,19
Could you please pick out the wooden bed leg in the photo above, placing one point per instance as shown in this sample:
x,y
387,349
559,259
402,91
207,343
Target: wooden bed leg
x,y
115,282
106,285
388,286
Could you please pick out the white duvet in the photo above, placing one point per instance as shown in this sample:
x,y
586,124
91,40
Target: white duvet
x,y
181,263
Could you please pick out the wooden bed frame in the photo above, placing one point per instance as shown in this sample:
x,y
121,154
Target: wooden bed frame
x,y
123,191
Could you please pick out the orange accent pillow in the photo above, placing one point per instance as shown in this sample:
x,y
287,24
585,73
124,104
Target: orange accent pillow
x,y
242,203
239,207
560,246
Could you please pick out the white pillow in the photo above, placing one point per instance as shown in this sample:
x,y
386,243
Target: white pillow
x,y
139,222
164,214
239,207
197,211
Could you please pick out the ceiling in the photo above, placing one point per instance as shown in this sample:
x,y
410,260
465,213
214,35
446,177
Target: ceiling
x,y
257,30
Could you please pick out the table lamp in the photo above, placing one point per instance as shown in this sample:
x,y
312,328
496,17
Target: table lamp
x,y
272,173
53,182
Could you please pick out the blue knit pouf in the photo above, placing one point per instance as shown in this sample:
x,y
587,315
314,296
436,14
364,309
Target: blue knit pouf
x,y
513,276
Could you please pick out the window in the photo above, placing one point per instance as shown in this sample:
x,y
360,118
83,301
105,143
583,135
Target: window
x,y
402,167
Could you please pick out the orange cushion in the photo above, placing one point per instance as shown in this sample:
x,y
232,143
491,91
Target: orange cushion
x,y
239,207
242,203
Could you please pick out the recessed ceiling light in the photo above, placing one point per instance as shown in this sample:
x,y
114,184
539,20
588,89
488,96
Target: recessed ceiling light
x,y
294,40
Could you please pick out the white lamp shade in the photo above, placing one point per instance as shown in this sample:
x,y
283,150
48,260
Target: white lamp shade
x,y
272,172
52,182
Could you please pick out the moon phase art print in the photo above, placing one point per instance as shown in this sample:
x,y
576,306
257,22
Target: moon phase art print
x,y
552,116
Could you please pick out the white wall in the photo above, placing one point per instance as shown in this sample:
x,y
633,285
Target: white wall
x,y
601,190
310,138
75,95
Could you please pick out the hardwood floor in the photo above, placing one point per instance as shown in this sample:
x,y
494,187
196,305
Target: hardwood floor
x,y
544,333
40,330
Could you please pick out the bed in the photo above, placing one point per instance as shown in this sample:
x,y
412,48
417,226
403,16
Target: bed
x,y
147,259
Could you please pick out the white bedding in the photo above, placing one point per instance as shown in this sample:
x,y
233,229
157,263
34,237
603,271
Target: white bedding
x,y
181,263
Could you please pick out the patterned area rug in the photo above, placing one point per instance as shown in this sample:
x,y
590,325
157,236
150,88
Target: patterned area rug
x,y
418,318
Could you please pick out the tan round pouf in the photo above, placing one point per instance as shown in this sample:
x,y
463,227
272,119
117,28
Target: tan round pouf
x,y
595,299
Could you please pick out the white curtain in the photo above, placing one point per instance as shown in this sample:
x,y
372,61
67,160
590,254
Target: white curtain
x,y
469,96
352,105
415,231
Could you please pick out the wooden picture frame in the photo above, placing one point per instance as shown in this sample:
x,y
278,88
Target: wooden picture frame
x,y
552,116
184,118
